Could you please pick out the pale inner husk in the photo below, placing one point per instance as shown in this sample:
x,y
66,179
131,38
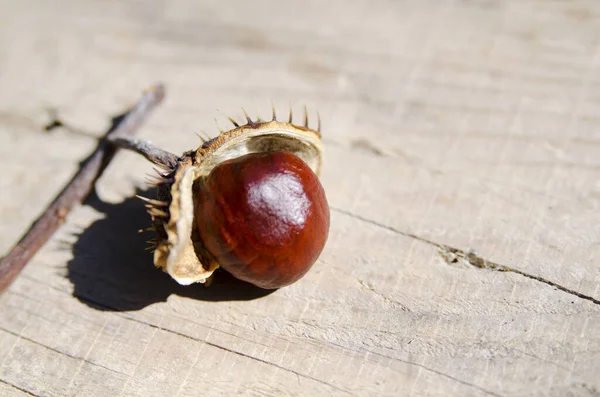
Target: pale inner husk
x,y
272,137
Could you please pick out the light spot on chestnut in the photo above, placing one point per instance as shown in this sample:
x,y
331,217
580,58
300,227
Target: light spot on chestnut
x,y
283,205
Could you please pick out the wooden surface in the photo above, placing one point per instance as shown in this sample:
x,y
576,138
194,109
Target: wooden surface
x,y
462,171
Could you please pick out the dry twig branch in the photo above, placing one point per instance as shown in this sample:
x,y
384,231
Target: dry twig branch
x,y
78,188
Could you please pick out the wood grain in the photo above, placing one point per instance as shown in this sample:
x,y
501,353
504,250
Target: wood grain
x,y
462,172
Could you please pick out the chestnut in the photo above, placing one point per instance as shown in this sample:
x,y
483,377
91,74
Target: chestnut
x,y
249,201
264,217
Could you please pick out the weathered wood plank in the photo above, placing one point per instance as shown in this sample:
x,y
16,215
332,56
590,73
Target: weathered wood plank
x,y
459,134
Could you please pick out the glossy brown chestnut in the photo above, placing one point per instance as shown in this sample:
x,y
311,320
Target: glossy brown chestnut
x,y
264,217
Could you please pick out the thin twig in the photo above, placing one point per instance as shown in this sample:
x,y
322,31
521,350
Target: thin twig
x,y
77,189
152,153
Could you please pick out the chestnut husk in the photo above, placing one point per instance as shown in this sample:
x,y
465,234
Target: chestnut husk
x,y
178,249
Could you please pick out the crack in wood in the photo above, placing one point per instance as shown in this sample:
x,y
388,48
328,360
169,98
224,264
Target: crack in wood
x,y
18,388
451,255
385,298
477,261
564,368
60,352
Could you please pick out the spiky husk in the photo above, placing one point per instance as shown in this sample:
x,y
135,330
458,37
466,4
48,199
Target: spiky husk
x,y
179,250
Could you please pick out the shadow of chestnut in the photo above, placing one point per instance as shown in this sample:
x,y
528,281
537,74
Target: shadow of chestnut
x,y
112,270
